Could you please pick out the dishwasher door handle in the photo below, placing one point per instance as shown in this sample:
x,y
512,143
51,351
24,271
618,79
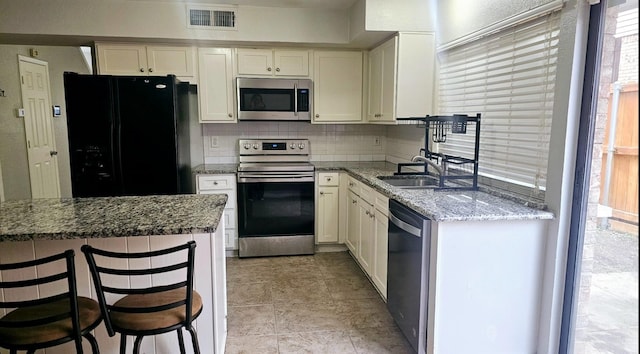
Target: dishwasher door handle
x,y
405,226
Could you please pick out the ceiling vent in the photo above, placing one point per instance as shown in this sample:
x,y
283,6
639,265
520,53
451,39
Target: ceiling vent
x,y
212,17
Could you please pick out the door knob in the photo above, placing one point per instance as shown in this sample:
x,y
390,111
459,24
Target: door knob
x,y
53,153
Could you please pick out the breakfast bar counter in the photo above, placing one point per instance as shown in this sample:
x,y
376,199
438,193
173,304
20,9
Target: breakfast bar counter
x,y
31,229
55,219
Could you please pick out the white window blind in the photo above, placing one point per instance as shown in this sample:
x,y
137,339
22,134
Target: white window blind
x,y
509,78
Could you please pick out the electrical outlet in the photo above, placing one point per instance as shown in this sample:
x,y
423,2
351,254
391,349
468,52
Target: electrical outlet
x,y
214,142
376,141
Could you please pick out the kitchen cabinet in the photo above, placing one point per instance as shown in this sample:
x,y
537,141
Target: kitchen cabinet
x,y
223,184
272,62
215,96
337,84
367,234
380,246
328,206
353,223
401,78
143,60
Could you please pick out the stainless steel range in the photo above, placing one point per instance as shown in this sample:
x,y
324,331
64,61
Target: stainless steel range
x,y
275,198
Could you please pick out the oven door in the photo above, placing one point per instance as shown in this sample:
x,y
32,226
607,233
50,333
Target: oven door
x,y
275,206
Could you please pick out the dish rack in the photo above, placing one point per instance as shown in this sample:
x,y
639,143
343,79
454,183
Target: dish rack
x,y
459,172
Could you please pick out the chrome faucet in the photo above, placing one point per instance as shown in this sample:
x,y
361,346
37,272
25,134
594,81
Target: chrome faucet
x,y
429,162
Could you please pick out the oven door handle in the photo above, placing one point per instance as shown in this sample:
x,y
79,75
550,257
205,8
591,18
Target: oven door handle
x,y
274,178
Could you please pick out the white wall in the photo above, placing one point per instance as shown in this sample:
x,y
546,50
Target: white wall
x,y
13,152
167,21
457,18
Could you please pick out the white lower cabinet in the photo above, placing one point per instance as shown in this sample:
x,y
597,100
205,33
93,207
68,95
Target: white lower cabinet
x,y
366,231
380,248
327,215
223,184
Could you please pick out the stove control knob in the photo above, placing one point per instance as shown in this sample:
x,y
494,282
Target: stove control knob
x,y
255,146
301,146
292,146
247,146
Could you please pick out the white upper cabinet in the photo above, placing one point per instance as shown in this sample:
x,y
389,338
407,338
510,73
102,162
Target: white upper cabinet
x,y
401,75
273,62
337,85
141,60
215,90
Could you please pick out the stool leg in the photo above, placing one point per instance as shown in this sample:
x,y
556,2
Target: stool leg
x,y
194,340
93,342
123,343
181,341
136,345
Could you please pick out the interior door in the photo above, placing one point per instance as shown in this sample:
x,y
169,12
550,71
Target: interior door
x,y
38,124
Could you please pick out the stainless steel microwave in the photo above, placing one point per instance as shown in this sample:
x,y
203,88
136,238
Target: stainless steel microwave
x,y
274,99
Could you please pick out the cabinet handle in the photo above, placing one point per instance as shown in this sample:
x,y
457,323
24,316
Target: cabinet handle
x,y
328,179
354,201
317,115
269,69
150,70
230,115
278,69
215,183
141,70
321,193
367,212
350,184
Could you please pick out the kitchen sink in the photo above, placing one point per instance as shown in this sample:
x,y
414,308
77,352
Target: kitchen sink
x,y
411,181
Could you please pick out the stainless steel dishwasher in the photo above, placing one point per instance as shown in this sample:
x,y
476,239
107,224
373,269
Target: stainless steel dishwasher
x,y
408,272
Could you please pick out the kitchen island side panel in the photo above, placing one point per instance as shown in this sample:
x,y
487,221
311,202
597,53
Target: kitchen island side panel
x,y
487,288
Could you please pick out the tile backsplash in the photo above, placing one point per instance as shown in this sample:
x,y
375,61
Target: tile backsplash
x,y
335,142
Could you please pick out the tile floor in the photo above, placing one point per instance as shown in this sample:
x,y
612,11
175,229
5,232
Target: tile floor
x,y
306,304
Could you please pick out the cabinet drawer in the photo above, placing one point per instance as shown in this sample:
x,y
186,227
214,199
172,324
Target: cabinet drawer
x,y
328,179
382,203
367,194
215,182
231,197
353,185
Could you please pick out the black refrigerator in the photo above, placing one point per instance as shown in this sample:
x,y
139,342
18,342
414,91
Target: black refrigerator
x,y
128,135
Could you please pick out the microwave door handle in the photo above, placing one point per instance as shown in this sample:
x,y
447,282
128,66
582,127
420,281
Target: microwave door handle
x,y
295,100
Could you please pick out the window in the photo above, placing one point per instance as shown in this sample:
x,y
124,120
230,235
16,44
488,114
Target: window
x,y
509,78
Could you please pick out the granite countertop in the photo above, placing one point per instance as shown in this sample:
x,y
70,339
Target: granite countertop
x,y
222,168
54,219
437,205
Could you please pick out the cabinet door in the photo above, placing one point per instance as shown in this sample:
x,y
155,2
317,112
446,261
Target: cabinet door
x,y
291,62
255,62
388,91
327,214
337,87
380,249
179,61
114,59
353,223
382,82
375,84
365,249
215,85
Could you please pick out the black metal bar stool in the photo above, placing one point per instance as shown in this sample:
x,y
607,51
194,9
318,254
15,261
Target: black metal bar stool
x,y
146,311
36,323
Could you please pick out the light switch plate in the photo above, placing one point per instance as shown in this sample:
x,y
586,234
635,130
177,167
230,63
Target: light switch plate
x,y
20,112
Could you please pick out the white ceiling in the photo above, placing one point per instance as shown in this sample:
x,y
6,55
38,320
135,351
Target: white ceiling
x,y
321,4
